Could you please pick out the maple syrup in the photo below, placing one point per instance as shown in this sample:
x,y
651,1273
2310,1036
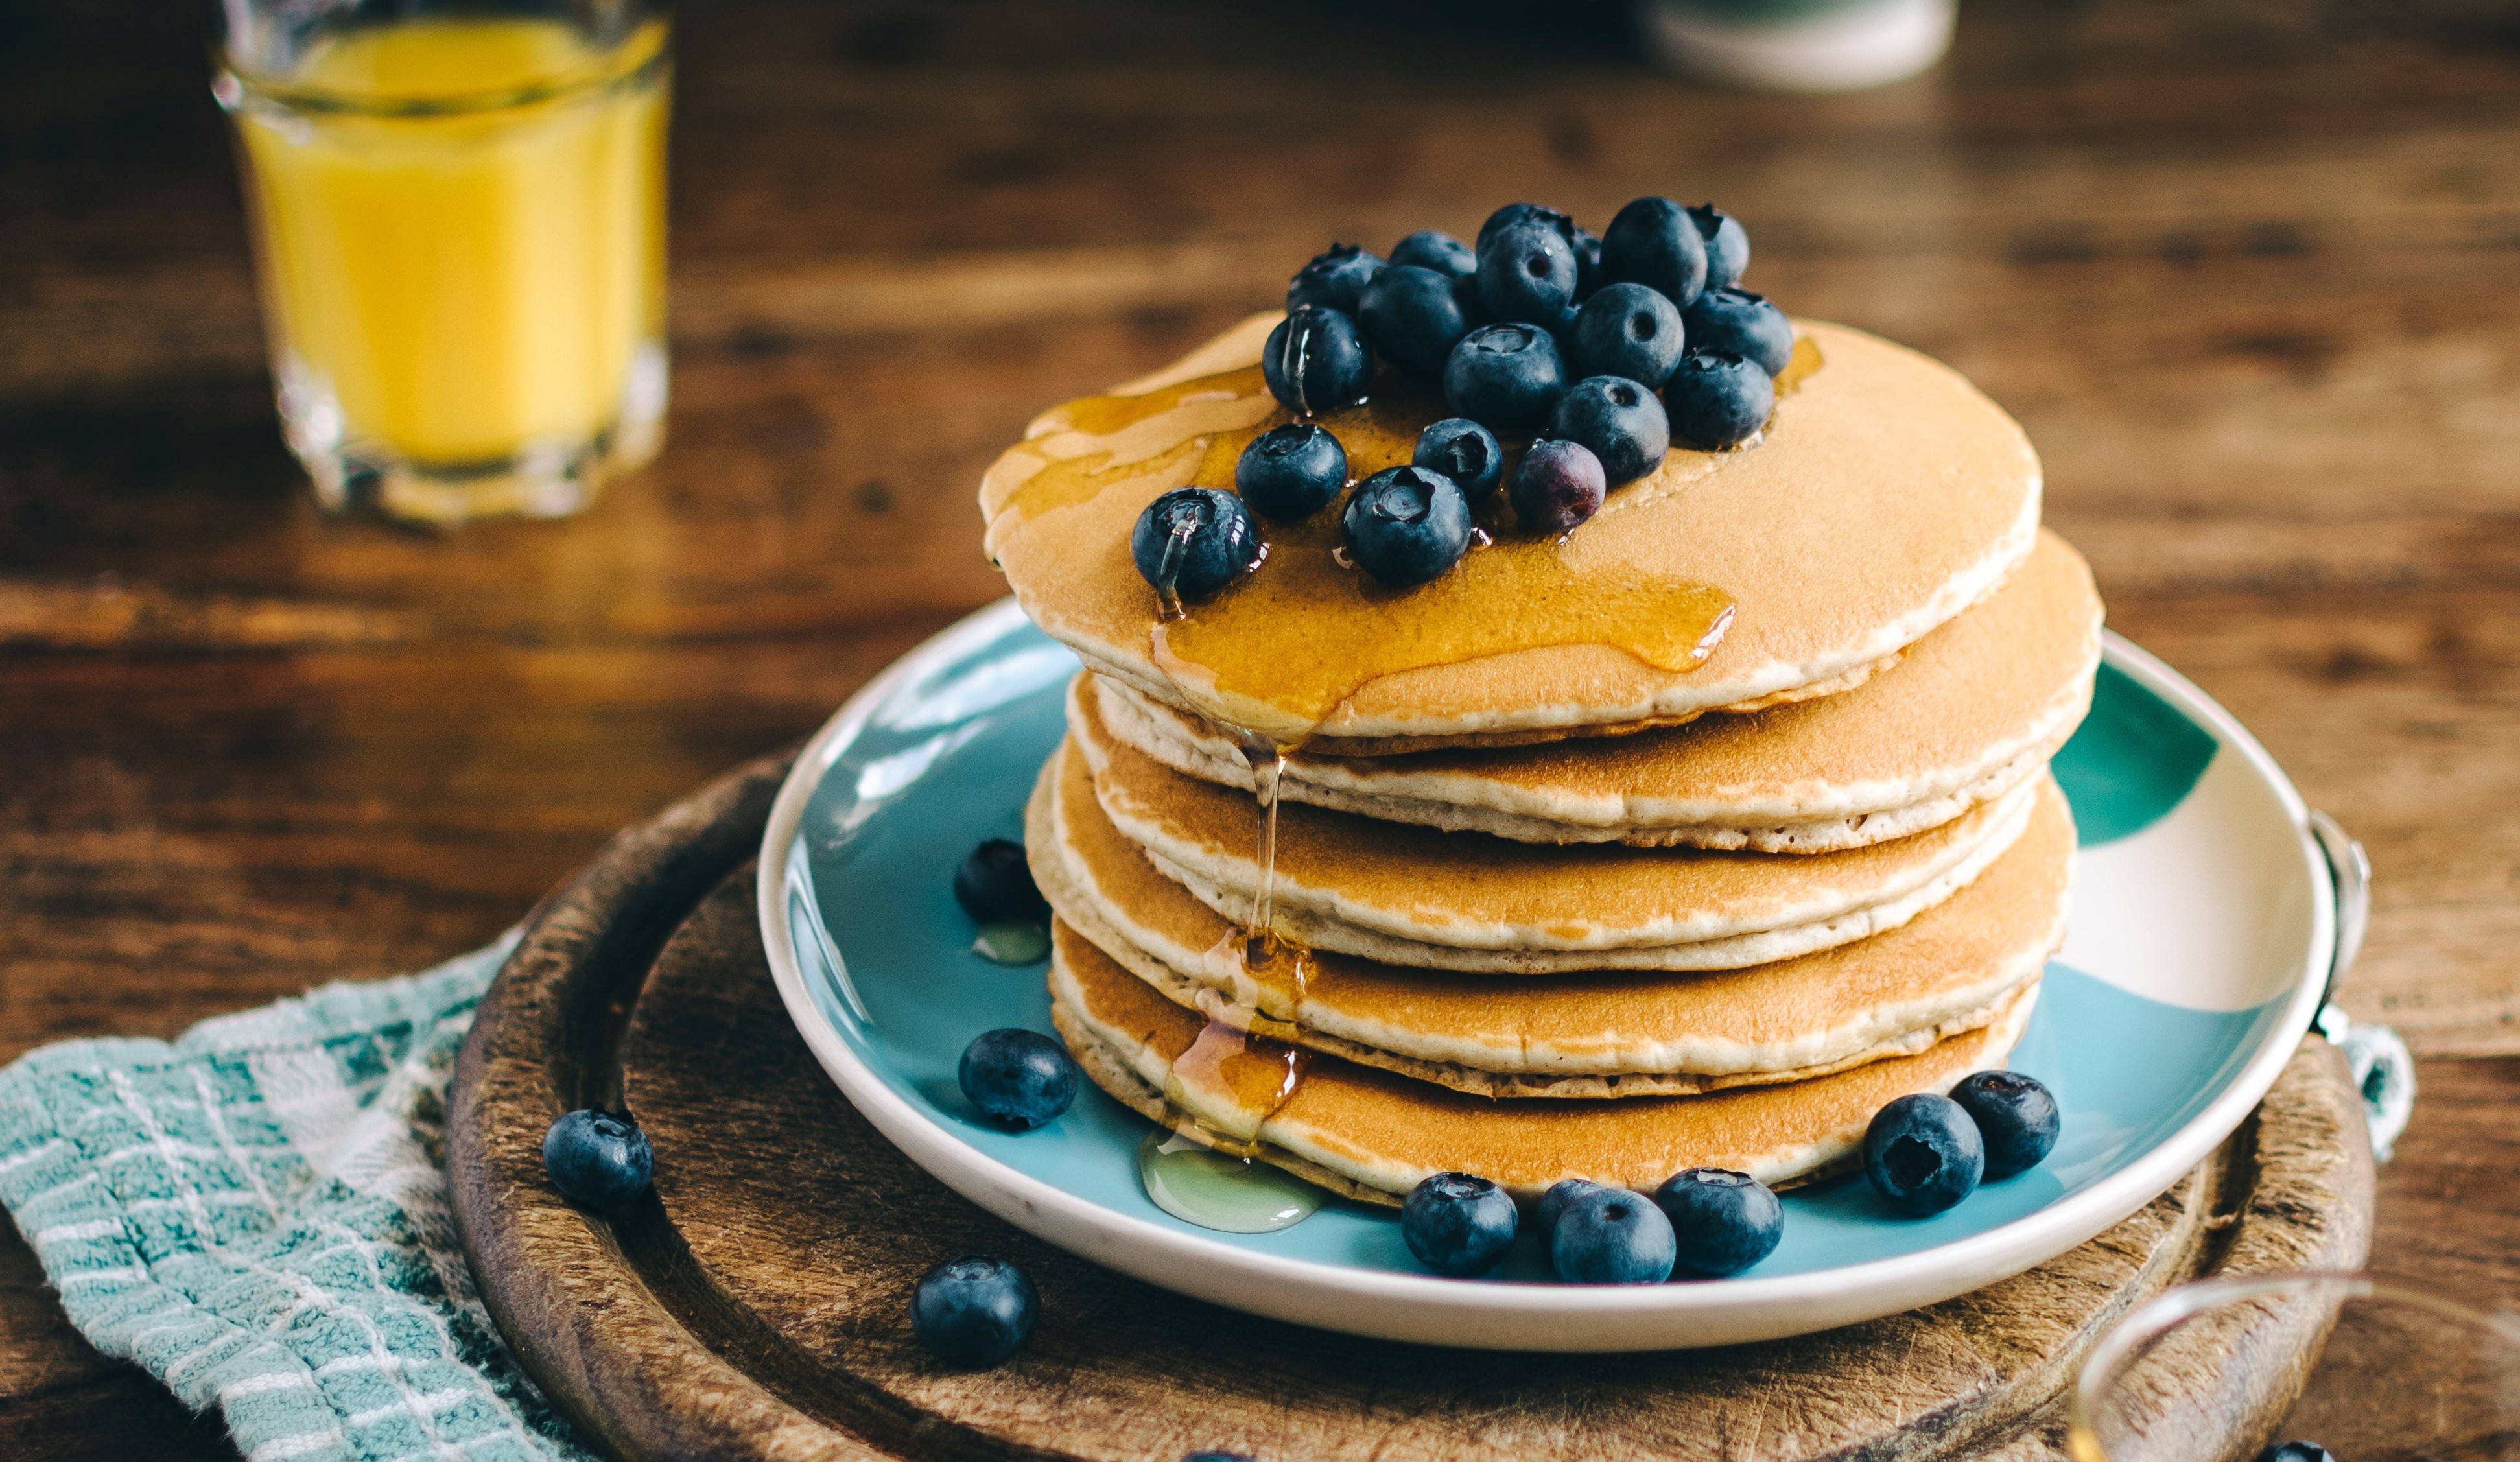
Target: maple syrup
x,y
1197,1184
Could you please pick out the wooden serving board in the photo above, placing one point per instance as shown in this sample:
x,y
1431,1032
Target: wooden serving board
x,y
758,1305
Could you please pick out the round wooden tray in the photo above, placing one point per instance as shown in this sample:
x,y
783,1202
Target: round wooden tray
x,y
758,1305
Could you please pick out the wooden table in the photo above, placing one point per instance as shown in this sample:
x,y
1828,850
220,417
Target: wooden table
x,y
2250,273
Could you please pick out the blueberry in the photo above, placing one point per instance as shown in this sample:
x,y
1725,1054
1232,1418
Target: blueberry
x,y
1654,242
973,1311
1627,330
1620,421
598,1160
1315,361
1413,318
1427,248
1717,401
1457,1224
1923,1154
2015,1116
1527,273
1612,1236
1506,378
1290,471
1218,1457
1723,1222
1335,278
1557,486
994,884
1021,1077
1463,450
1735,322
1522,212
1206,535
1407,524
1588,263
1554,1202
1728,244
2296,1451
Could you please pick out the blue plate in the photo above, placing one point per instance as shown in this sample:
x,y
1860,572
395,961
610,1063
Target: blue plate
x,y
2202,934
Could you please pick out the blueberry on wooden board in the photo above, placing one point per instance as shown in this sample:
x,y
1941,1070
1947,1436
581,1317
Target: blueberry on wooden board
x,y
598,1160
974,1312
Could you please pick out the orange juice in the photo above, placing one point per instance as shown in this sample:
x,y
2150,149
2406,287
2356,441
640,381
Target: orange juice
x,y
462,226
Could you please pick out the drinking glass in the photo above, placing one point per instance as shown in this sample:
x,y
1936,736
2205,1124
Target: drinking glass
x,y
2371,1368
458,228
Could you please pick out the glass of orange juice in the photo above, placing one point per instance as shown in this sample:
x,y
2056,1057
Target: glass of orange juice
x,y
459,225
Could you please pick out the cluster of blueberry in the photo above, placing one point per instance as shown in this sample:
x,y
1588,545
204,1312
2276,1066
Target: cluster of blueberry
x,y
1707,1223
1925,1153
1922,1153
1539,330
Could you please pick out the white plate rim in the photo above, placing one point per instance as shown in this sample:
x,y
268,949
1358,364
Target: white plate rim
x,y
1495,1316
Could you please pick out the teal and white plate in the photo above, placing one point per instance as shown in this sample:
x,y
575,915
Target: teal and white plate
x,y
2203,932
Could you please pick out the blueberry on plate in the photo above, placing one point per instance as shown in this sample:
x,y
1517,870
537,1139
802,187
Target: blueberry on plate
x,y
1923,1154
1612,1236
1290,471
973,1311
1335,278
1735,322
1654,242
1723,1222
1407,524
994,884
1620,420
1557,486
1717,401
2295,1451
1522,212
1506,378
1626,329
1554,1202
1588,263
1527,273
1457,1224
1199,537
1413,318
598,1160
1315,361
1017,1077
1463,450
1429,249
2015,1116
1728,244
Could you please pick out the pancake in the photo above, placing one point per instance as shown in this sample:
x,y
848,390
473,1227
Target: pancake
x,y
1412,896
1593,1034
1887,496
1374,1136
1972,711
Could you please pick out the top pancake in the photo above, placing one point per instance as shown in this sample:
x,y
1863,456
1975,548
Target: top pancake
x,y
1886,495
1970,712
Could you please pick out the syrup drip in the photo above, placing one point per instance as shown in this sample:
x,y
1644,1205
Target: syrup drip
x,y
1168,601
1232,1081
1267,759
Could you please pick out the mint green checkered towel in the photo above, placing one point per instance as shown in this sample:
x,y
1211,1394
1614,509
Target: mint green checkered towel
x,y
257,1213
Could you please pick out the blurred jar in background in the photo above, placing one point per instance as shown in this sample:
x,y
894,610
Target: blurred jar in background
x,y
459,224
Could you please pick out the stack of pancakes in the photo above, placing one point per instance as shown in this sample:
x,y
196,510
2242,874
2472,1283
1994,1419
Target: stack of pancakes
x,y
1559,912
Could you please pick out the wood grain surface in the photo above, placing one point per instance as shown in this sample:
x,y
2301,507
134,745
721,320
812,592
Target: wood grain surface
x,y
756,1305
2245,268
